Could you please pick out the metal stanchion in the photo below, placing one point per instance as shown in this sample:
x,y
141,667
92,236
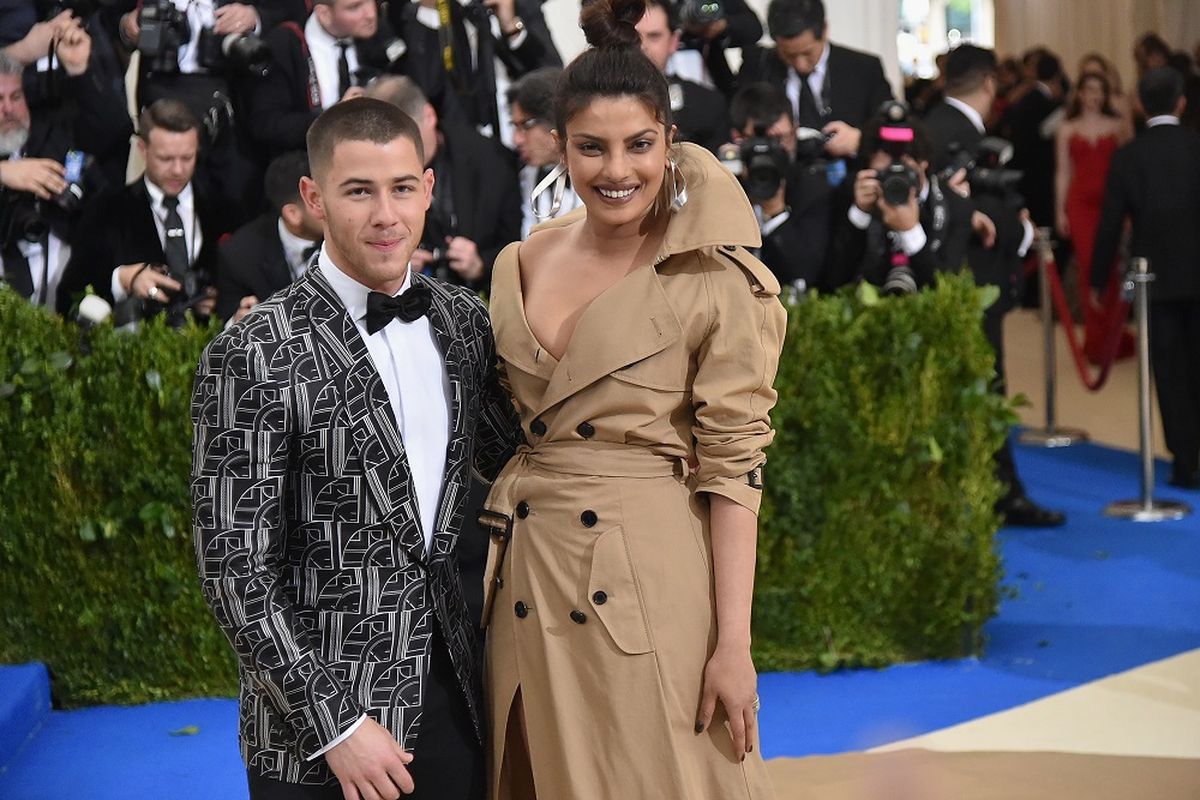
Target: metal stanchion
x,y
1146,509
1051,435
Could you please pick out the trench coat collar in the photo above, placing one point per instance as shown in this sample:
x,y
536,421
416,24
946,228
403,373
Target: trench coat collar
x,y
633,319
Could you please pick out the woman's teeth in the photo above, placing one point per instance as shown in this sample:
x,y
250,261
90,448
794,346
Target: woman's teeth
x,y
612,194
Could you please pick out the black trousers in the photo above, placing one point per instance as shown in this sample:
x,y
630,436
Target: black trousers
x,y
1175,358
1006,467
447,760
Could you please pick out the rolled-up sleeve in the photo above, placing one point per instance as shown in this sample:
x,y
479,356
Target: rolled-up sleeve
x,y
733,391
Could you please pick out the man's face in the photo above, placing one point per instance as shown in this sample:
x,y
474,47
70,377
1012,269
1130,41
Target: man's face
x,y
782,132
357,19
170,158
14,115
802,52
371,199
533,138
659,42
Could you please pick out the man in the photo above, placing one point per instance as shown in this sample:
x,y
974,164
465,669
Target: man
x,y
699,113
467,71
710,29
1028,125
1152,181
312,68
531,101
476,208
335,430
956,125
831,88
152,245
42,202
268,253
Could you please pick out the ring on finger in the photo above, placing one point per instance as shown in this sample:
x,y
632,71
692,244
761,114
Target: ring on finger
x,y
152,292
757,704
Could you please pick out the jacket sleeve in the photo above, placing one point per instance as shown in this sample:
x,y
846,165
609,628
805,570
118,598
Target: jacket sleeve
x,y
241,449
732,394
498,431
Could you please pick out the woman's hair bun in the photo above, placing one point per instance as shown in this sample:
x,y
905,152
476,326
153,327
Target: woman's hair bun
x,y
612,23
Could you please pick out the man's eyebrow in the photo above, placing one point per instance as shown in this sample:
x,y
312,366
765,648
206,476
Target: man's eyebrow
x,y
352,181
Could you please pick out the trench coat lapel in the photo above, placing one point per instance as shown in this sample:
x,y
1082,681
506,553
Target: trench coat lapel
x,y
515,342
373,426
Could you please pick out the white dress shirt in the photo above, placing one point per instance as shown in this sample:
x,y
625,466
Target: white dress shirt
x,y
293,250
199,15
39,269
325,53
816,82
1162,119
911,241
192,238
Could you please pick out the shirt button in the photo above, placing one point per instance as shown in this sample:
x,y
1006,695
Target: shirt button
x,y
588,518
522,509
521,610
537,427
578,617
600,598
586,430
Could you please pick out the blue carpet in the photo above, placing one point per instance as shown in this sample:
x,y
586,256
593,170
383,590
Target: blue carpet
x,y
1093,598
24,704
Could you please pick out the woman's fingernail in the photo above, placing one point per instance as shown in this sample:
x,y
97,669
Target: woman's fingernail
x,y
699,727
749,748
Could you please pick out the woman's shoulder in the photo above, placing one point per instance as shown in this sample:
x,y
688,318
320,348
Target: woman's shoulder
x,y
732,269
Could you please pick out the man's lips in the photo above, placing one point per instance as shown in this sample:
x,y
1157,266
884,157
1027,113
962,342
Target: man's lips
x,y
385,245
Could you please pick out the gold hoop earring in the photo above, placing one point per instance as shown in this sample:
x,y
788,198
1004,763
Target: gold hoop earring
x,y
558,178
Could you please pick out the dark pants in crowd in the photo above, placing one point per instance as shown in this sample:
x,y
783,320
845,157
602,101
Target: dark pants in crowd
x,y
1175,358
1006,467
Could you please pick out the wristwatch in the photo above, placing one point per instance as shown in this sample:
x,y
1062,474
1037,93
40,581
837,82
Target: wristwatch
x,y
518,25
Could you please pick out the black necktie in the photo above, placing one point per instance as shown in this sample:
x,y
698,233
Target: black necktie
x,y
807,115
408,307
174,243
343,69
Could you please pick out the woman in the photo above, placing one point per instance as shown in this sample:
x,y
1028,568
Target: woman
x,y
639,340
1085,145
1117,98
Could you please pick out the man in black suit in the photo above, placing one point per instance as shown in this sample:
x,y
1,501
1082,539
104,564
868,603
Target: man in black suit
x,y
831,88
710,29
492,43
996,253
269,252
699,113
152,245
476,208
1026,124
1153,181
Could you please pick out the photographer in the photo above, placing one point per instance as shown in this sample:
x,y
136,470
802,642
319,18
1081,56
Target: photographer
x,y
785,179
709,28
151,247
903,226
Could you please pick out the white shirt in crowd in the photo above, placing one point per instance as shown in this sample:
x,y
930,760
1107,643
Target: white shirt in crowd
x,y
816,82
323,48
294,248
199,15
192,238
45,272
529,180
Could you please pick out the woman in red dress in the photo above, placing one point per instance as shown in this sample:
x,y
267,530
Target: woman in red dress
x,y
1085,144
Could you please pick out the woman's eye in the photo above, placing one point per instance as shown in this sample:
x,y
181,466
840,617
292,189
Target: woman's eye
x,y
642,144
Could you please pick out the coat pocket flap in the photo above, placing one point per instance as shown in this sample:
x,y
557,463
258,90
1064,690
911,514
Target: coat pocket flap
x,y
614,595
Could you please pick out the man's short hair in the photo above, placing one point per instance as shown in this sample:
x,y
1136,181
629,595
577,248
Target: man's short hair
x,y
282,181
534,93
1159,91
363,119
170,115
9,65
758,104
670,9
1151,43
790,18
967,67
402,92
920,148
1046,66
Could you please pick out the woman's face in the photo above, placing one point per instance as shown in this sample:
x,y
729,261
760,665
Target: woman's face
x,y
616,153
1091,96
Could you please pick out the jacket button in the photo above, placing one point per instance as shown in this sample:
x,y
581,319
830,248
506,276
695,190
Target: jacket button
x,y
537,427
586,430
522,509
521,610
578,617
600,598
588,518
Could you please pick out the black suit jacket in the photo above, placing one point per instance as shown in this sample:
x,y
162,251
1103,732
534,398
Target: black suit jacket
x,y
1153,180
702,114
743,31
951,131
251,262
119,229
1033,153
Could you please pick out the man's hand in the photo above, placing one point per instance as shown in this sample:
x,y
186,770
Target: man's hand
x,y
464,259
36,43
244,307
43,177
867,190
420,260
984,228
903,217
206,307
846,138
959,184
370,764
130,30
234,18
74,48
505,11
147,283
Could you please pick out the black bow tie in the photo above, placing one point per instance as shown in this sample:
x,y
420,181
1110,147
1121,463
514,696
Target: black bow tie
x,y
408,307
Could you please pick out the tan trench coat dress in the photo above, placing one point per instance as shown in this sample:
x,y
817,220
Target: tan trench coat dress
x,y
601,596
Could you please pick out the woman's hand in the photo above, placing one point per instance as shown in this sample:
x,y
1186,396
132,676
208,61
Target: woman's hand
x,y
729,677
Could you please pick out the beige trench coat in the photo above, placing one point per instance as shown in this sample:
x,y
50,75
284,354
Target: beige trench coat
x,y
601,590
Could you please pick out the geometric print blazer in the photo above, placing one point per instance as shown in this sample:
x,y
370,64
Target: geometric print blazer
x,y
308,544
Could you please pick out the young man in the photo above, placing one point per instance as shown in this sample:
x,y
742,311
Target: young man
x,y
336,427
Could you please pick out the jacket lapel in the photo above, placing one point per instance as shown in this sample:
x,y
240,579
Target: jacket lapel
x,y
372,424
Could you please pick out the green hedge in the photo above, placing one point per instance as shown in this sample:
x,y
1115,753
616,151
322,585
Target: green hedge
x,y
876,544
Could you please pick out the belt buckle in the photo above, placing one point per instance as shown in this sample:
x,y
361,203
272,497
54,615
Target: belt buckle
x,y
498,525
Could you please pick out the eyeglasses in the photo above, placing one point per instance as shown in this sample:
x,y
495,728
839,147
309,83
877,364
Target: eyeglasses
x,y
529,124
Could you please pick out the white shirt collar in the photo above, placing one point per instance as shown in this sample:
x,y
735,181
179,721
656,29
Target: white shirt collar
x,y
1162,119
969,112
157,194
315,34
818,71
293,246
352,293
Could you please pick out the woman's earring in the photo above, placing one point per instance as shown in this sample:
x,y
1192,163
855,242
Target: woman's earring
x,y
557,177
679,194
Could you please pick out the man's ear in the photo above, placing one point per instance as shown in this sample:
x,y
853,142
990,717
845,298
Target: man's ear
x,y
292,214
310,192
427,181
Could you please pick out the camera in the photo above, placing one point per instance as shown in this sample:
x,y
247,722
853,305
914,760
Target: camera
x,y
194,288
761,162
164,29
985,166
699,13
240,52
